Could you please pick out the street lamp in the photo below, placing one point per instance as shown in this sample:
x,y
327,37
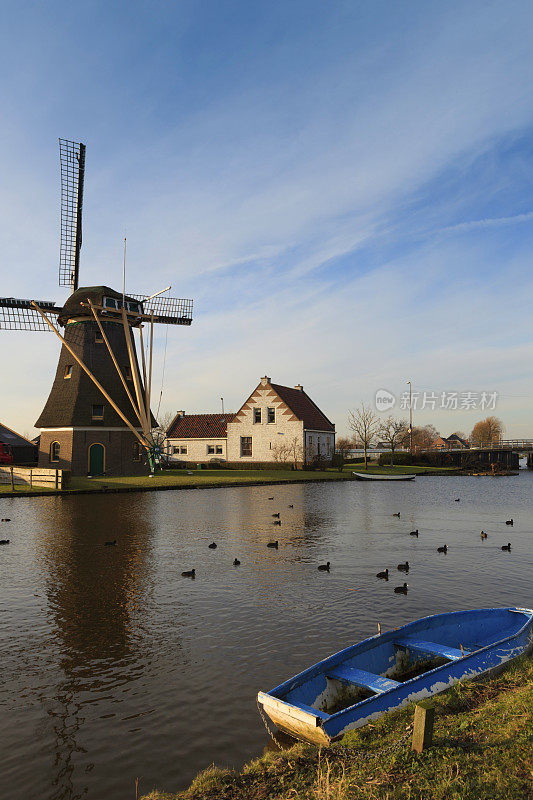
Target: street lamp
x,y
410,420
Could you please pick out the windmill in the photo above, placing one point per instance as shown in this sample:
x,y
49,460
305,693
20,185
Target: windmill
x,y
97,419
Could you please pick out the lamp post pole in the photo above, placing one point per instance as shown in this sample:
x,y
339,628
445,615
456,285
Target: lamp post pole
x,y
410,420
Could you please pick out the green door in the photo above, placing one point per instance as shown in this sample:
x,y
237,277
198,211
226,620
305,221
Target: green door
x,y
96,459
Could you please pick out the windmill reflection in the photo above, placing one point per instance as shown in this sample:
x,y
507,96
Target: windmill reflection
x,y
94,594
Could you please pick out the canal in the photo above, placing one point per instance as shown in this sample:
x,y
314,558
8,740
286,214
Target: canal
x,y
114,666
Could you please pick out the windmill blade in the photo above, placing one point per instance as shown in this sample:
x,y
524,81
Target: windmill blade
x,y
168,310
72,159
19,315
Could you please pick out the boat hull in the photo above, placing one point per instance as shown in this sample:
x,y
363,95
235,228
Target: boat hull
x,y
359,476
395,650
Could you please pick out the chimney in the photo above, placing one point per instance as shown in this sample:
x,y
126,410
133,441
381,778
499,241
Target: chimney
x,y
180,414
299,387
265,380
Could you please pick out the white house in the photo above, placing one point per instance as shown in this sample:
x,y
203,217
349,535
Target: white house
x,y
276,424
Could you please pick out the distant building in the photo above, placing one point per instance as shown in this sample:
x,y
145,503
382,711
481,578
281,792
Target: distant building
x,y
276,424
16,449
452,442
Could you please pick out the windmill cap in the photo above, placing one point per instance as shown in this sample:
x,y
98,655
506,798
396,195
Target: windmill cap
x,y
74,308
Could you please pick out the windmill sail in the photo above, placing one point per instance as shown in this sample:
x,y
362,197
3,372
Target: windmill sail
x,y
20,315
72,159
168,310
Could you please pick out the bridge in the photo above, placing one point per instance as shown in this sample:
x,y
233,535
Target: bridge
x,y
522,445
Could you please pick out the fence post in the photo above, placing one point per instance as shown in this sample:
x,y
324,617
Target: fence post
x,y
12,481
423,725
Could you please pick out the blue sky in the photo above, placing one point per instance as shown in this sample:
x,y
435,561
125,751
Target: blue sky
x,y
344,188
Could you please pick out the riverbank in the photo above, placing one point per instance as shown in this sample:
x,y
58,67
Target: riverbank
x,y
482,750
212,479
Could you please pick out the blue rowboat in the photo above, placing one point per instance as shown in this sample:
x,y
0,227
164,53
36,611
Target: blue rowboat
x,y
387,671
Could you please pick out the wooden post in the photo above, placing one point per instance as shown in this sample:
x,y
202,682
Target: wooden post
x,y
423,725
379,628
135,374
12,481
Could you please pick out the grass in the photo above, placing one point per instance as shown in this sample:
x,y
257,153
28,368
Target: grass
x,y
226,477
482,750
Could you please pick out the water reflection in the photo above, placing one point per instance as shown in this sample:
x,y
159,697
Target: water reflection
x,y
116,666
94,593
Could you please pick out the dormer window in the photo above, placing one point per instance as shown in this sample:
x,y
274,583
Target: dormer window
x,y
98,411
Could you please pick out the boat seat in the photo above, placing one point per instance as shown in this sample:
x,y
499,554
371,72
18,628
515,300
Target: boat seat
x,y
444,650
366,680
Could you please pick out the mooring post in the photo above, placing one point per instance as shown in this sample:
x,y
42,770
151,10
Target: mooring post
x,y
12,480
423,725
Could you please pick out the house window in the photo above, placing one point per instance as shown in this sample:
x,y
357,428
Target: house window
x,y
246,446
257,415
54,452
175,450
136,454
218,450
183,450
98,411
271,414
68,371
210,450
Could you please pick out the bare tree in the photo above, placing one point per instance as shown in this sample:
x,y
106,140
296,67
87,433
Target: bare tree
x,y
392,432
343,445
423,438
296,451
281,452
365,424
487,432
164,419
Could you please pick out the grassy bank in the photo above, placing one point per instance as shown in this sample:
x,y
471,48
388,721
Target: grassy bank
x,y
196,478
482,750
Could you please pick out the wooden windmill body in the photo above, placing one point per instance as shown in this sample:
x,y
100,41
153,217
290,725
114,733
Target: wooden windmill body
x,y
97,419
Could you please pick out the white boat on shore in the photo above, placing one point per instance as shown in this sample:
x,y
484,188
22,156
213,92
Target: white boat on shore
x,y
361,476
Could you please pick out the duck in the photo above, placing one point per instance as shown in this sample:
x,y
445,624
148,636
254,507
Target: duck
x,y
401,589
443,549
270,498
273,544
4,541
384,575
111,544
404,567
507,547
509,521
190,573
483,535
6,519
291,506
212,546
457,499
414,533
276,515
236,562
396,515
277,522
324,567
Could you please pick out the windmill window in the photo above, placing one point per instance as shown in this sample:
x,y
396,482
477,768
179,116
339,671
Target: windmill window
x,y
136,451
110,302
54,452
127,373
98,411
68,371
257,415
98,338
271,414
246,446
134,307
210,450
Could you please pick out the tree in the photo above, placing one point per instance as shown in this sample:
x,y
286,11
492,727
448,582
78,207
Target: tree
x,y
392,432
281,452
423,437
295,451
487,432
365,424
343,445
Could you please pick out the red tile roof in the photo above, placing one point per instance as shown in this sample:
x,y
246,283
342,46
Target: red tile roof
x,y
303,407
199,426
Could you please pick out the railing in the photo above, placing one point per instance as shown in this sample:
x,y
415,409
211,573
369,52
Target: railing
x,y
34,476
